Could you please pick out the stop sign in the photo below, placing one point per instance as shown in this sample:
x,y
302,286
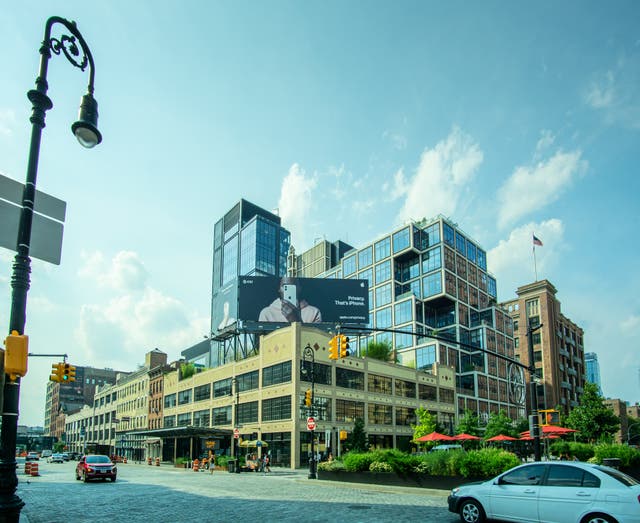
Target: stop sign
x,y
311,423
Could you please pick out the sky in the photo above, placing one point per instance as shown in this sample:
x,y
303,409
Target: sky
x,y
349,119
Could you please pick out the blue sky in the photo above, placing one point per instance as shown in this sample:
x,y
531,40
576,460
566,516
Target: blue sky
x,y
349,118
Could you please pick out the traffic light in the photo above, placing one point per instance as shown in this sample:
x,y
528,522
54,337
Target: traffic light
x,y
550,417
16,355
333,348
344,346
70,372
343,435
57,372
307,398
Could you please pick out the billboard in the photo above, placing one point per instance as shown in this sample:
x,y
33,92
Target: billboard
x,y
272,299
224,307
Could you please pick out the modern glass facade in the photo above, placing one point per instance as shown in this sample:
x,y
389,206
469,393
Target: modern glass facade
x,y
592,368
430,278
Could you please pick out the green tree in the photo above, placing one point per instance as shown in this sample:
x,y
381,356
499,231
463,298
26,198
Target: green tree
x,y
358,441
593,420
380,350
468,424
58,447
499,423
426,423
187,370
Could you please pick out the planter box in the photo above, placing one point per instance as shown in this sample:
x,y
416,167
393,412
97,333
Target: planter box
x,y
398,480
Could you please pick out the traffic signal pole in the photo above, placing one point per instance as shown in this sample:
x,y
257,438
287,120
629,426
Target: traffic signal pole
x,y
533,393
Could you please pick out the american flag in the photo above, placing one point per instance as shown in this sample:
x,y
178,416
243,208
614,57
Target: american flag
x,y
536,241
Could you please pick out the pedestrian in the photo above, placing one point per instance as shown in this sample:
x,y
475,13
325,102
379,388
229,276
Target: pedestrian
x,y
266,463
212,463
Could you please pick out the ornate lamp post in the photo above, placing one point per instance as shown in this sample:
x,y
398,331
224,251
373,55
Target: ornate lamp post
x,y
308,353
75,49
533,394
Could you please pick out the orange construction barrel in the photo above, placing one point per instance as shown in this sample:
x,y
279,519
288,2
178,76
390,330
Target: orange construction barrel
x,y
157,462
149,460
34,469
27,467
196,465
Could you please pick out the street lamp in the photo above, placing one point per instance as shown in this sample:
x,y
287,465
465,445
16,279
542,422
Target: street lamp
x,y
236,440
534,423
308,353
75,49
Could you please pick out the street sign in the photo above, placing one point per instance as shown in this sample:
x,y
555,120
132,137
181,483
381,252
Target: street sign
x,y
311,423
236,433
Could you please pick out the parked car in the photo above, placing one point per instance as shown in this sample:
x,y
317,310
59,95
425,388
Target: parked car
x,y
55,458
551,492
446,447
65,456
32,456
46,453
96,466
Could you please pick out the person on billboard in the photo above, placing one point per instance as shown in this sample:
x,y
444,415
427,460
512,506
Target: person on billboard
x,y
290,305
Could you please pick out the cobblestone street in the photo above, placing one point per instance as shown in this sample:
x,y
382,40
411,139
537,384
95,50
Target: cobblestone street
x,y
170,495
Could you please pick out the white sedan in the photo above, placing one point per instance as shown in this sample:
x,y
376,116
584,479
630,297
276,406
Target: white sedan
x,y
55,458
551,492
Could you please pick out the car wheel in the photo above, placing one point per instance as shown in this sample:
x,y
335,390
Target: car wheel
x,y
598,518
77,476
113,479
84,477
471,511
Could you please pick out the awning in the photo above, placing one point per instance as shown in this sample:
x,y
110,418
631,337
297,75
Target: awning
x,y
152,441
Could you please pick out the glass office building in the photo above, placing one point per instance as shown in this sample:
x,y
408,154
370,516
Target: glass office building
x,y
592,368
247,241
429,279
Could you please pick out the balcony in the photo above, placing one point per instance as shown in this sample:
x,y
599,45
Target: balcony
x,y
564,352
565,385
572,372
560,366
579,390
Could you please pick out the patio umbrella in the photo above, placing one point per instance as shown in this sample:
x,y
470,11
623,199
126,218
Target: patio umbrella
x,y
502,437
254,443
466,437
436,436
551,429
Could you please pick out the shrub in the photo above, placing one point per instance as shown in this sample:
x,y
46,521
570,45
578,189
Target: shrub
x,y
487,462
222,461
380,466
628,456
331,466
357,461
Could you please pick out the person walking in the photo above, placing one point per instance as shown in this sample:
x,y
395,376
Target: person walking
x,y
212,463
266,463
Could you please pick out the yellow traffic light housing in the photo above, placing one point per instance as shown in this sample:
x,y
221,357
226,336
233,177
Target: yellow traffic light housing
x,y
333,348
57,372
69,372
344,346
16,355
307,398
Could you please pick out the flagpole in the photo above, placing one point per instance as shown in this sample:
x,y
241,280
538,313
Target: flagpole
x,y
535,265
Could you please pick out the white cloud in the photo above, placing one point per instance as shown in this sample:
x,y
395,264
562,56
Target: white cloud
x,y
546,140
125,272
531,188
442,178
296,202
630,324
512,259
7,121
600,93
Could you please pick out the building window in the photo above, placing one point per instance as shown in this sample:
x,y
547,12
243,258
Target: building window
x,y
446,396
380,414
383,318
383,249
367,275
532,307
201,393
184,397
405,416
449,234
383,271
431,260
461,244
280,373
248,412
401,240
222,416
425,357
403,340
201,418
276,409
169,421
321,373
348,411
536,338
482,259
248,381
184,419
349,265
427,392
222,388
432,284
471,252
349,379
406,389
379,384
383,295
365,257
169,401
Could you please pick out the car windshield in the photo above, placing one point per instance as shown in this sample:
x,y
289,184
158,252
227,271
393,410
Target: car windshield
x,y
620,476
98,459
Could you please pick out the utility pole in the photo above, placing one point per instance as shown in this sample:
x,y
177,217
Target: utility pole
x,y
534,421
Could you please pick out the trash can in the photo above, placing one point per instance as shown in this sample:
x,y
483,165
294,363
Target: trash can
x,y
231,465
611,462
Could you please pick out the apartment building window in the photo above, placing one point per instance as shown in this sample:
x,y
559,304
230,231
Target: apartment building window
x,y
482,259
403,340
532,307
448,234
201,418
427,392
536,338
349,379
248,381
184,419
169,401
403,312
222,388
349,410
401,240
537,356
248,412
222,415
365,257
383,249
349,265
405,416
425,357
276,408
201,393
446,396
383,318
471,252
431,260
405,389
461,244
449,260
367,274
169,421
184,397
383,272
321,373
383,295
275,374
380,414
379,384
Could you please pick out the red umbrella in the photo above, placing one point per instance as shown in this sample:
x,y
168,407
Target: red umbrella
x,y
465,437
552,429
502,437
436,436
